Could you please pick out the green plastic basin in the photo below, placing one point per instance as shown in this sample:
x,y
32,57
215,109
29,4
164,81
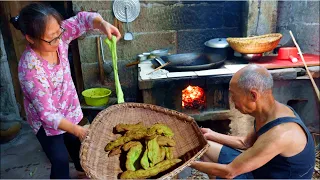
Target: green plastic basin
x,y
96,96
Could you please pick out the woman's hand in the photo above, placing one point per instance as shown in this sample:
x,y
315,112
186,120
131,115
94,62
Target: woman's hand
x,y
109,30
80,132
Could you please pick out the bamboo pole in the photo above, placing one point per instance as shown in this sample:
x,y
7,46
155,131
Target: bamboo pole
x,y
305,65
101,71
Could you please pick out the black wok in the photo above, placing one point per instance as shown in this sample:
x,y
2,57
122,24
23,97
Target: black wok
x,y
190,62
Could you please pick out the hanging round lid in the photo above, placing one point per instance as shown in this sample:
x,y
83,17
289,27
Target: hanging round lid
x,y
217,43
119,9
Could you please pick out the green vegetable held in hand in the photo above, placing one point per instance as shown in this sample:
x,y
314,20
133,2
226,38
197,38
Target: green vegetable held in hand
x,y
113,48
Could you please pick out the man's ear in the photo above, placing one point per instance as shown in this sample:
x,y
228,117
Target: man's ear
x,y
254,95
29,39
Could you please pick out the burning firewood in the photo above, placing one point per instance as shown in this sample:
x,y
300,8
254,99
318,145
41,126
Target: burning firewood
x,y
193,97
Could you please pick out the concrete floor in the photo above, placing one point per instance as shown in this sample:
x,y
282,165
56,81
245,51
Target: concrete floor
x,y
23,157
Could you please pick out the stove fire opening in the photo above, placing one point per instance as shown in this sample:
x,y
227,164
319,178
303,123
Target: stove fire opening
x,y
193,97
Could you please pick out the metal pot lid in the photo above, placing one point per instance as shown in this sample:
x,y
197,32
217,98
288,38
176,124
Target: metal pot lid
x,y
133,9
217,43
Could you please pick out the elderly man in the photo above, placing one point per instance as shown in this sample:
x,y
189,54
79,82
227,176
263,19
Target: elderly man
x,y
279,147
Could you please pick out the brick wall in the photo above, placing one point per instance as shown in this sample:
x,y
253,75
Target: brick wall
x,y
182,26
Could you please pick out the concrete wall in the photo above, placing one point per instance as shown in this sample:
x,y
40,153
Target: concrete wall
x,y
302,18
8,104
259,17
300,95
182,26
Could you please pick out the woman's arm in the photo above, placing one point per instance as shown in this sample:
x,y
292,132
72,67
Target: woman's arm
x,y
106,28
85,21
78,25
37,89
71,128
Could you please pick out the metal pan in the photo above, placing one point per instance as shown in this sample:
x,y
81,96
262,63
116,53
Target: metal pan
x,y
190,62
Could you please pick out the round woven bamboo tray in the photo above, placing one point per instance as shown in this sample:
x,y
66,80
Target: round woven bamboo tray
x,y
190,143
255,44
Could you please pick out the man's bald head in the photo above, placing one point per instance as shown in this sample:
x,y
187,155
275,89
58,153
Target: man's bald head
x,y
253,77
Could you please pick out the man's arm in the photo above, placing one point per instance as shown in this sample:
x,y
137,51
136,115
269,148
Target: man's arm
x,y
266,147
232,141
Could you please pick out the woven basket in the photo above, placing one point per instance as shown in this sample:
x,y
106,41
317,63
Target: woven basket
x,y
190,143
255,44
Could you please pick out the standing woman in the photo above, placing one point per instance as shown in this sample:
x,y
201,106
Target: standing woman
x,y
50,98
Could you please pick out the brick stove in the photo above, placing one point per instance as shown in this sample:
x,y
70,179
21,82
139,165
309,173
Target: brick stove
x,y
212,100
200,94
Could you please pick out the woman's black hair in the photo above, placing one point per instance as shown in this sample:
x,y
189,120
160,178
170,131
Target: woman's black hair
x,y
32,19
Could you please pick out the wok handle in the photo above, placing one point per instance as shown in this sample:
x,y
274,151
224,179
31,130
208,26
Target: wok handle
x,y
133,63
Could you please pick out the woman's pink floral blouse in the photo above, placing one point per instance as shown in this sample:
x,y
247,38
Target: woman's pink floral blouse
x,y
49,92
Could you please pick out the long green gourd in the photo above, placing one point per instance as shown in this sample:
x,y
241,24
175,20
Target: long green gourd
x,y
113,48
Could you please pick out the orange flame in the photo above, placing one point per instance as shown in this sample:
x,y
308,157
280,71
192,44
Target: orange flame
x,y
193,97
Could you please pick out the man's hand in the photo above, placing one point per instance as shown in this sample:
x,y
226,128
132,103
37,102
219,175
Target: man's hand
x,y
213,169
208,133
232,141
